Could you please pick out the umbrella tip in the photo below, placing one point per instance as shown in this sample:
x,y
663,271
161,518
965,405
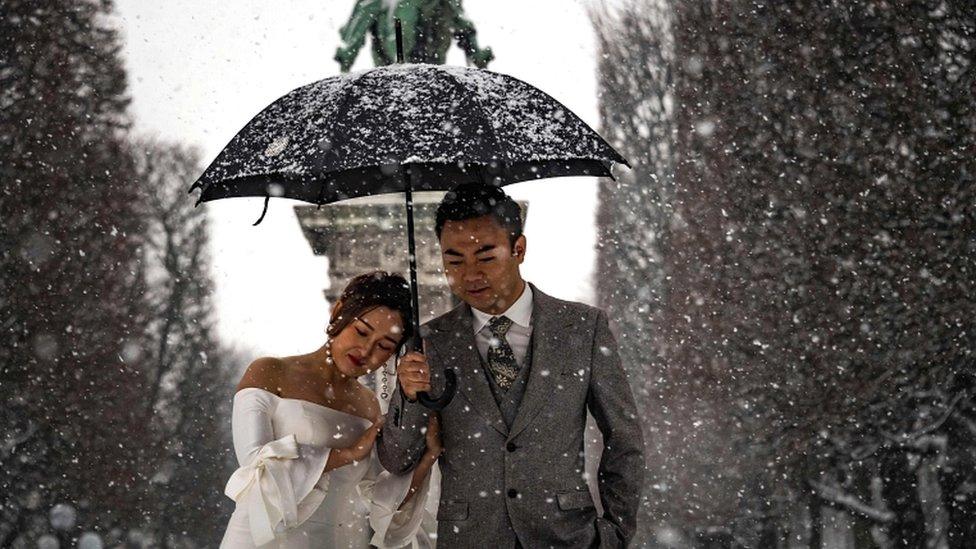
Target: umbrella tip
x,y
399,40
193,188
613,172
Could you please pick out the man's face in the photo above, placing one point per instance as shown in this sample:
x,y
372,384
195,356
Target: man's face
x,y
482,268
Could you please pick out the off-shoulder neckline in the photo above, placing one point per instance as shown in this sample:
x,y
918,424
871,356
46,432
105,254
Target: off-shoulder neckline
x,y
302,400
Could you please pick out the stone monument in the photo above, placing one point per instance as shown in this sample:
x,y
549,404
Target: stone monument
x,y
369,233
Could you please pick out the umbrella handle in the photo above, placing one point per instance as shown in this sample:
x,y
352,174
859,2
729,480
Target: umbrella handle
x,y
439,403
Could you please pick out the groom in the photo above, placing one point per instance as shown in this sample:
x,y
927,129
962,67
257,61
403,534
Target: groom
x,y
529,366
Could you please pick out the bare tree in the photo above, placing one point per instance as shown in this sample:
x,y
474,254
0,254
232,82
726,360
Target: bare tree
x,y
189,384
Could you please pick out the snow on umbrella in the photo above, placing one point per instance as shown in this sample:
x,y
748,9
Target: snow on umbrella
x,y
404,128
355,135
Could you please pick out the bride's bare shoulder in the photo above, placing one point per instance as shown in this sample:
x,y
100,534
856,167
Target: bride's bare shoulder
x,y
265,373
366,404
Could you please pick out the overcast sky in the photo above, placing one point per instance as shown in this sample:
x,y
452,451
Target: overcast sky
x,y
199,70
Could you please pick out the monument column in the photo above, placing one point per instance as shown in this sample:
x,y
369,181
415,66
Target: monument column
x,y
369,234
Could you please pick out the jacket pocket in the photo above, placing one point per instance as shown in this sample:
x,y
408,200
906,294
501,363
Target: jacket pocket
x,y
452,510
574,500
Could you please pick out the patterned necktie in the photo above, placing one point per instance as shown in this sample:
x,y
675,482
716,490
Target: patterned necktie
x,y
501,360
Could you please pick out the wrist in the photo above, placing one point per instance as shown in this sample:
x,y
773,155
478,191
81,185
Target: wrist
x,y
407,397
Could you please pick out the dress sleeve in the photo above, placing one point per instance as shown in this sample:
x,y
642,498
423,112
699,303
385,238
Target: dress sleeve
x,y
394,528
278,478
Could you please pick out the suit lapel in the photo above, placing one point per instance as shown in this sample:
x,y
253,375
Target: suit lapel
x,y
455,346
550,327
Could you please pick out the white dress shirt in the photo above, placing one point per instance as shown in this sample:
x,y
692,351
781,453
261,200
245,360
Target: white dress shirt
x,y
518,336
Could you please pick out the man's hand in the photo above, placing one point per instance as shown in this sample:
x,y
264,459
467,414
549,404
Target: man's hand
x,y
413,374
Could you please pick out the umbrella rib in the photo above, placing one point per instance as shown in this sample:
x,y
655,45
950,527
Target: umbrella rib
x,y
484,114
619,157
340,107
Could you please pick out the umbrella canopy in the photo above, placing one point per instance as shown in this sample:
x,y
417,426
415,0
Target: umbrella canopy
x,y
404,128
350,135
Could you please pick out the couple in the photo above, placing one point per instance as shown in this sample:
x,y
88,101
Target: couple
x,y
510,445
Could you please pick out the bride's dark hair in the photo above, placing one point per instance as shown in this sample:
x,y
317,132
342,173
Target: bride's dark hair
x,y
367,292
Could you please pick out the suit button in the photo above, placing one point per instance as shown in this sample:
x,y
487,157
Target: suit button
x,y
512,492
511,446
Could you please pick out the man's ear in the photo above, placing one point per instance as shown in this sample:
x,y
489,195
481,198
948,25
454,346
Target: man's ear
x,y
519,249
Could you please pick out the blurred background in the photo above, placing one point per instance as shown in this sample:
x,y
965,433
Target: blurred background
x,y
789,267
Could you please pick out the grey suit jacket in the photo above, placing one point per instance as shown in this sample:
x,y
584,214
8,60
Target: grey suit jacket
x,y
526,483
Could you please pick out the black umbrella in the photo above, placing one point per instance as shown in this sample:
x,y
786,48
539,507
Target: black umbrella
x,y
404,128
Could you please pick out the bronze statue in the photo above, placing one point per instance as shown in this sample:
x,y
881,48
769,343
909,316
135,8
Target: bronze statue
x,y
428,26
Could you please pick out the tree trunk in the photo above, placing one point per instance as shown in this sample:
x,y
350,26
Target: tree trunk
x,y
930,496
816,522
908,528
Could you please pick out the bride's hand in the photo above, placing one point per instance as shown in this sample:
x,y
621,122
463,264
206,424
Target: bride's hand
x,y
433,451
361,448
433,436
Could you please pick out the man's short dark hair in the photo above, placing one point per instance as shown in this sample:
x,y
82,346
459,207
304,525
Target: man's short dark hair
x,y
473,200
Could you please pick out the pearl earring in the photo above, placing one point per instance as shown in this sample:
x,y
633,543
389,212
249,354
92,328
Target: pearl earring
x,y
328,354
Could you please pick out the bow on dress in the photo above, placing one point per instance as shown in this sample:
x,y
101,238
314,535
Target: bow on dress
x,y
264,487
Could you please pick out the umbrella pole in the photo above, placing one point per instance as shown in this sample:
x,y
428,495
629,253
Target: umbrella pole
x,y
417,343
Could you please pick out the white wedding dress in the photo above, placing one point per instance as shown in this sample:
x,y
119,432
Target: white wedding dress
x,y
285,501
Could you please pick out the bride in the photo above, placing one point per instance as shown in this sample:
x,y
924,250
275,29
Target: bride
x,y
304,430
